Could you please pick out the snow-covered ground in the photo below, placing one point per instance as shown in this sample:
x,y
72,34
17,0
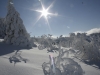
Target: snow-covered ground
x,y
35,58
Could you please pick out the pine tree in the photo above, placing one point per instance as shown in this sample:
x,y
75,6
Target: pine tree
x,y
16,33
2,28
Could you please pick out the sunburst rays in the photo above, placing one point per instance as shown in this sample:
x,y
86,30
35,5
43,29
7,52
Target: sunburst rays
x,y
45,13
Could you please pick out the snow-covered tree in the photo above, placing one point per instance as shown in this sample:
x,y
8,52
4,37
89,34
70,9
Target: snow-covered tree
x,y
88,48
16,33
2,28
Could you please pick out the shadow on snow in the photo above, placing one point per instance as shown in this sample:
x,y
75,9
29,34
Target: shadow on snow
x,y
6,48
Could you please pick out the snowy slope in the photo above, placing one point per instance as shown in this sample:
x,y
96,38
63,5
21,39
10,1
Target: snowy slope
x,y
33,66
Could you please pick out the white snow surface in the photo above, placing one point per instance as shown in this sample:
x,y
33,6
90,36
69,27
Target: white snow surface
x,y
33,65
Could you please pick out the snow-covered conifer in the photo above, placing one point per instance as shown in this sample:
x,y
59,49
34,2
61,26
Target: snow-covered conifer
x,y
16,33
2,28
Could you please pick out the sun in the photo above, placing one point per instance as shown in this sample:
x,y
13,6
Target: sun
x,y
44,12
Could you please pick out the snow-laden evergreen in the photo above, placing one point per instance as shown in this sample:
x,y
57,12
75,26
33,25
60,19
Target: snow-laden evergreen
x,y
2,28
16,33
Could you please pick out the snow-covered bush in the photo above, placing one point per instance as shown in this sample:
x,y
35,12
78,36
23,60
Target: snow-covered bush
x,y
41,47
70,67
88,48
62,65
67,65
45,42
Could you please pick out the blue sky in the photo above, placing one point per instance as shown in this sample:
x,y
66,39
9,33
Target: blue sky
x,y
73,15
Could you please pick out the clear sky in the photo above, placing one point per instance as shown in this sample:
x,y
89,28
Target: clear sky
x,y
73,15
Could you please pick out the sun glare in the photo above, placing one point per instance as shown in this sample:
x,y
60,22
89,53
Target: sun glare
x,y
44,12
